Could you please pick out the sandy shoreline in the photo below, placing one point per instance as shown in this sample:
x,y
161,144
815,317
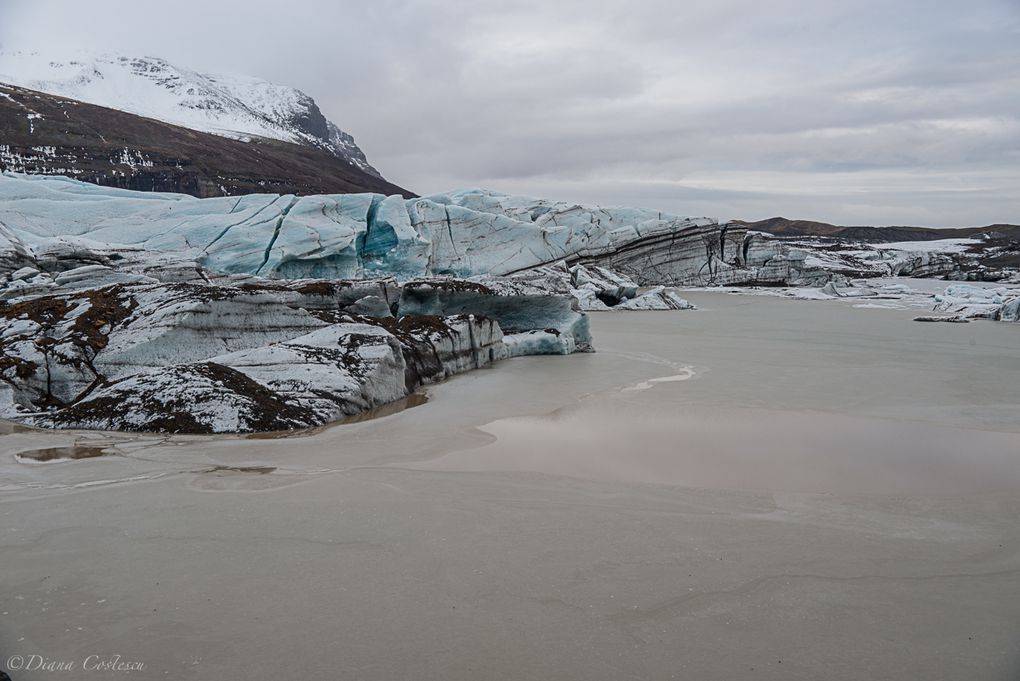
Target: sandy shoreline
x,y
502,530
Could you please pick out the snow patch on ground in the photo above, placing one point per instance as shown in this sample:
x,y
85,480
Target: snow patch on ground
x,y
936,246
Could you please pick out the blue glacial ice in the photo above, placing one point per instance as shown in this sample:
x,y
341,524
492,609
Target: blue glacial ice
x,y
337,236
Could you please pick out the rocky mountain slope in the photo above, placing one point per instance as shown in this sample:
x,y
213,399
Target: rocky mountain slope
x,y
239,107
47,134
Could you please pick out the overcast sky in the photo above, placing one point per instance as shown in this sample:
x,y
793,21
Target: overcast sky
x,y
847,111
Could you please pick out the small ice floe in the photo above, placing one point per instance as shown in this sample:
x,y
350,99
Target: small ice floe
x,y
827,292
953,319
833,291
974,302
899,289
880,306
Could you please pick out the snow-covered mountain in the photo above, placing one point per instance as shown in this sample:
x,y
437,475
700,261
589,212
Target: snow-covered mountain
x,y
46,134
239,107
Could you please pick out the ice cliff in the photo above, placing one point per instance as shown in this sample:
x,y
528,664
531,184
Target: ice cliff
x,y
227,357
354,236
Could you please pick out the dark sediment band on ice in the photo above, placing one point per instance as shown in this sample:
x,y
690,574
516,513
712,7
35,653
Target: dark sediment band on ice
x,y
190,358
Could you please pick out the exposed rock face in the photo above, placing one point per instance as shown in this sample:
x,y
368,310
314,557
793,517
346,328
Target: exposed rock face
x,y
49,135
251,357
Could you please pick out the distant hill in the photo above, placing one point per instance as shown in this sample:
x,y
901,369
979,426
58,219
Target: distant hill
x,y
51,135
785,227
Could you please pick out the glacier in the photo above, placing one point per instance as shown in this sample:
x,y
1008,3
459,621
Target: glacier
x,y
164,312
240,357
466,233
146,311
607,254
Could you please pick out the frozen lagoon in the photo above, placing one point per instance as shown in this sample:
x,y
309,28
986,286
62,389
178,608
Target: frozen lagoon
x,y
829,492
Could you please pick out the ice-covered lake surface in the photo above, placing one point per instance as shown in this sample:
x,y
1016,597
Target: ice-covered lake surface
x,y
763,488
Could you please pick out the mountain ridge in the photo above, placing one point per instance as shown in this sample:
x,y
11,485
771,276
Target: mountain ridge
x,y
51,135
234,106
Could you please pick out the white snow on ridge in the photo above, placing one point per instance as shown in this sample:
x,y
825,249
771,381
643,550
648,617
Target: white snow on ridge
x,y
936,246
240,107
